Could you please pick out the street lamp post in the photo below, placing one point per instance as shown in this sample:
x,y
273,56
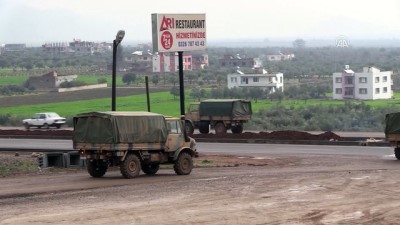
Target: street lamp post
x,y
116,42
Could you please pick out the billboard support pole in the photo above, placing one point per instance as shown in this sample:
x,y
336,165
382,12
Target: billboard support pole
x,y
147,93
181,87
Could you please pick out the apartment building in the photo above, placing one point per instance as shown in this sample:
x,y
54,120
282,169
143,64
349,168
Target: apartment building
x,y
280,57
260,78
164,62
369,84
237,60
199,61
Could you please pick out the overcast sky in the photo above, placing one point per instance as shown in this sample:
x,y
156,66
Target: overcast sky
x,y
40,21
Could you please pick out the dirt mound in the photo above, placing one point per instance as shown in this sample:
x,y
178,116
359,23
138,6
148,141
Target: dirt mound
x,y
275,135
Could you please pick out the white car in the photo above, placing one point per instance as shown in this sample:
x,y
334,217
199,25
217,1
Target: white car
x,y
45,120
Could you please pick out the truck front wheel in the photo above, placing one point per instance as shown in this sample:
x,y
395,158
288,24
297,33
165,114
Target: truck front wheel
x,y
184,164
130,167
150,169
204,128
238,129
220,128
96,168
397,153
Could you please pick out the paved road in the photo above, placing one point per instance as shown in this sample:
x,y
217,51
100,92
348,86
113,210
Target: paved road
x,y
232,148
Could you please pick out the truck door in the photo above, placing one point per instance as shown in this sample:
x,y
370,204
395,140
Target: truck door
x,y
193,113
175,138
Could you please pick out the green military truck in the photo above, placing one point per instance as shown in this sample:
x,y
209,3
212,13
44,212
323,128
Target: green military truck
x,y
134,141
219,114
392,131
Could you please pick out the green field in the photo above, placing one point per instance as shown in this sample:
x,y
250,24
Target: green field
x,y
93,79
12,80
164,103
88,79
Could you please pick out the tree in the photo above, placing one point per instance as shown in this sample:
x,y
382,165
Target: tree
x,y
191,77
173,79
175,91
129,78
277,95
155,79
299,43
198,93
256,93
102,80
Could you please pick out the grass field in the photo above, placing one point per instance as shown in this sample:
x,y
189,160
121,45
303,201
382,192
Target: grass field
x,y
12,80
93,79
88,79
164,103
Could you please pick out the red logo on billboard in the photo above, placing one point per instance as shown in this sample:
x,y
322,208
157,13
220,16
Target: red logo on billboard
x,y
167,23
166,40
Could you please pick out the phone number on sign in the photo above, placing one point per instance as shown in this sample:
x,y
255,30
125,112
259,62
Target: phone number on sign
x,y
190,43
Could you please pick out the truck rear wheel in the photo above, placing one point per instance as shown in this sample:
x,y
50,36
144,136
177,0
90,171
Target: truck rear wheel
x,y
96,168
184,164
189,128
130,167
150,169
204,128
238,129
397,153
220,128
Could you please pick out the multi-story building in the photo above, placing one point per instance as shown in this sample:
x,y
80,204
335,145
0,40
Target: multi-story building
x,y
13,48
260,78
370,84
238,61
170,62
199,61
139,61
280,57
77,47
56,47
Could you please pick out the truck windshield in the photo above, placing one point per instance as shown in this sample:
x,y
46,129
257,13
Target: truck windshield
x,y
194,108
174,127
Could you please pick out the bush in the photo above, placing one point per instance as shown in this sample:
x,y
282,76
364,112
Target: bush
x,y
102,80
74,83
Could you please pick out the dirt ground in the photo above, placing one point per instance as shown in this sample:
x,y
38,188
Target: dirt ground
x,y
222,189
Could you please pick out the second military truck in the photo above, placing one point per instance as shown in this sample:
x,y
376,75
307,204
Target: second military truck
x,y
219,114
392,131
134,141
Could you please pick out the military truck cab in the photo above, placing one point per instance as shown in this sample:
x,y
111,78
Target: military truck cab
x,y
134,141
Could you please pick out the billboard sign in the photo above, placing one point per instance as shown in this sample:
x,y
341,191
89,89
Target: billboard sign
x,y
178,32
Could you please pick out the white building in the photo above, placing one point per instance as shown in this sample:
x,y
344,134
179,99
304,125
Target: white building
x,y
371,83
260,78
280,57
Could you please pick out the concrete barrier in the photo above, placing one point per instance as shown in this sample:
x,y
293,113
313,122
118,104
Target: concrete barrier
x,y
53,159
86,87
72,159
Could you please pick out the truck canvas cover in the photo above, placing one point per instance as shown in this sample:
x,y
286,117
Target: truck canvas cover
x,y
225,107
392,121
120,127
